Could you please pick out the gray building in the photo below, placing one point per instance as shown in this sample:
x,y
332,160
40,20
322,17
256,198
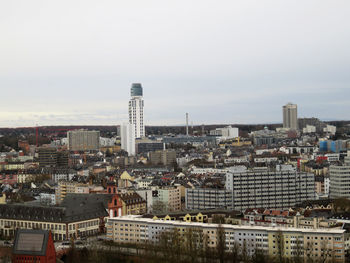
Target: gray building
x,y
339,176
290,116
166,157
208,198
270,189
82,140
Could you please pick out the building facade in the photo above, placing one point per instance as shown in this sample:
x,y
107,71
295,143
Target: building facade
x,y
82,140
127,137
270,189
165,157
206,198
136,104
290,116
339,179
170,196
287,242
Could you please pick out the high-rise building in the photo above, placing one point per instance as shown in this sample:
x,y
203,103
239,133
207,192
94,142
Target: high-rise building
x,y
339,176
82,140
127,137
136,110
290,116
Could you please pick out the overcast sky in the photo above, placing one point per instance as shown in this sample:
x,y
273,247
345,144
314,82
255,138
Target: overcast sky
x,y
73,62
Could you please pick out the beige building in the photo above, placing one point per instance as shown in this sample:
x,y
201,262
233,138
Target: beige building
x,y
329,244
170,197
64,222
68,187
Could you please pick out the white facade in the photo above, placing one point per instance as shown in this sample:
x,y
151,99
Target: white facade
x,y
127,136
136,105
290,116
309,129
330,129
226,132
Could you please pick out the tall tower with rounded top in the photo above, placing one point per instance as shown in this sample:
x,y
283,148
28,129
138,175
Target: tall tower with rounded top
x,y
136,105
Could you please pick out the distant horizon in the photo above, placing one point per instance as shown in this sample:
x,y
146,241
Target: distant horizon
x,y
175,125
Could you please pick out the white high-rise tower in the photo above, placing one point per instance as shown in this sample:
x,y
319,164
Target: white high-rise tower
x,y
136,110
127,136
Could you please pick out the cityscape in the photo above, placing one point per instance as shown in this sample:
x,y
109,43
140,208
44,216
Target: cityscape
x,y
175,132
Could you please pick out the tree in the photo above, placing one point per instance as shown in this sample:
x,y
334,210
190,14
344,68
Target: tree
x,y
280,246
158,207
259,256
221,243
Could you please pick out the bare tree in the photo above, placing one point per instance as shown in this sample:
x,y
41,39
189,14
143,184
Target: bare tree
x,y
221,243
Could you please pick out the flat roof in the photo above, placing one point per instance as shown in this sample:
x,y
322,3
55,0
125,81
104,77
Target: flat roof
x,y
138,218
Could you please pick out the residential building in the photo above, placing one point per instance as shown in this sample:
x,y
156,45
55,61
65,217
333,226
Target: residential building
x,y
332,242
127,137
132,204
169,196
290,116
70,187
270,189
207,198
339,179
136,104
83,140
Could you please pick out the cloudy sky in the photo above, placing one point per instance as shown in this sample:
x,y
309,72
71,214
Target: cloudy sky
x,y
73,62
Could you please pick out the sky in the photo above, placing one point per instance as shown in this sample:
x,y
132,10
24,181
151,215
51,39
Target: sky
x,y
73,62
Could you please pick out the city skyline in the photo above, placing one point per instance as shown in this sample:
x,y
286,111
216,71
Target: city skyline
x,y
229,63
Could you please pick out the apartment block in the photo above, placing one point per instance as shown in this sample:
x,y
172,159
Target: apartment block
x,y
70,187
170,196
310,243
270,189
207,198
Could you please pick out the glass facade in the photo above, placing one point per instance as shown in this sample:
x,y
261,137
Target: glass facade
x,y
136,89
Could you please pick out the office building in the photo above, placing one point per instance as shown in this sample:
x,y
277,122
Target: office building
x,y
165,157
47,156
127,137
270,189
82,140
136,104
290,116
339,179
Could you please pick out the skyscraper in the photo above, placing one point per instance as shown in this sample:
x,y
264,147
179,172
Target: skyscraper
x,y
290,116
127,137
136,110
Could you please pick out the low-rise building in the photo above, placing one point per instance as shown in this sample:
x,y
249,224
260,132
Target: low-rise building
x,y
287,242
72,219
132,204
